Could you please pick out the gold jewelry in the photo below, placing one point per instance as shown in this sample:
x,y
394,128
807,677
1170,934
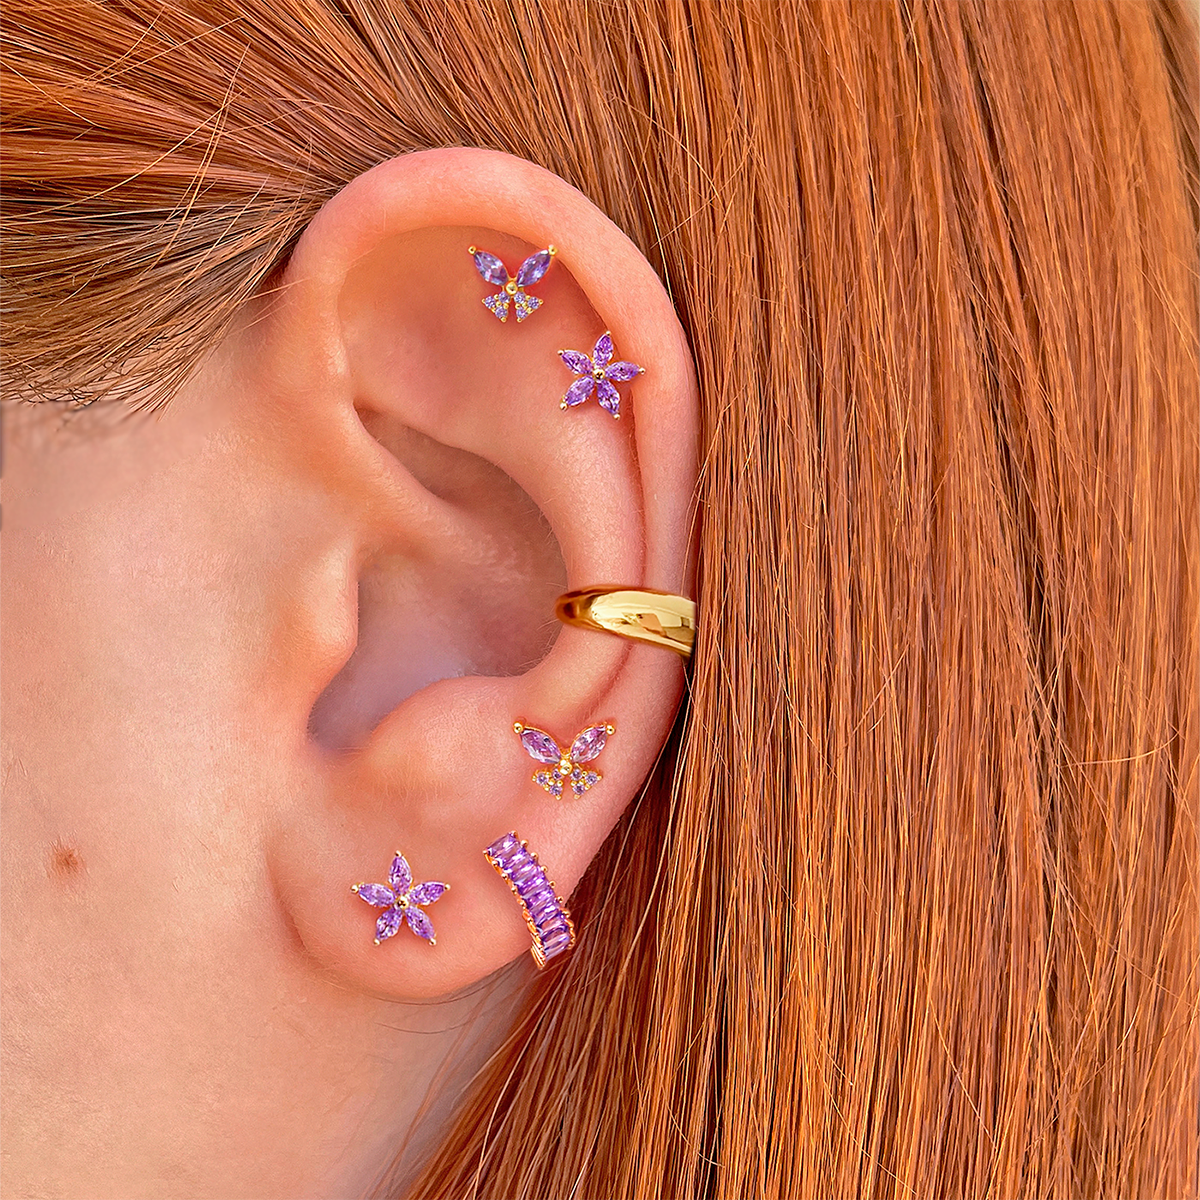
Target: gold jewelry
x,y
660,618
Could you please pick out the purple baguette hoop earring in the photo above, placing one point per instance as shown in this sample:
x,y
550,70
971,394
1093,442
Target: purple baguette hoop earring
x,y
400,898
512,287
565,768
547,917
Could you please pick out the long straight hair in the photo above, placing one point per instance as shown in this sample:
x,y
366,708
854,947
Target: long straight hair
x,y
909,908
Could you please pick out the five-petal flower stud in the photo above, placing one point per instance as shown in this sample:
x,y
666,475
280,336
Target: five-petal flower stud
x,y
565,768
400,898
512,287
598,374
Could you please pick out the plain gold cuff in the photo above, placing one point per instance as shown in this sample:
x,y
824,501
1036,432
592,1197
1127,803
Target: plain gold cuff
x,y
660,618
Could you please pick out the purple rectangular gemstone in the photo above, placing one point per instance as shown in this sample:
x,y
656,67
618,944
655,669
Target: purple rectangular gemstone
x,y
555,943
550,924
545,914
539,897
503,846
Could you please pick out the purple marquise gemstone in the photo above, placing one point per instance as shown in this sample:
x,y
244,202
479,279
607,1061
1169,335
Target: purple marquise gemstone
x,y
388,924
608,397
534,267
540,745
579,391
376,894
589,744
603,352
419,923
622,372
491,268
400,877
426,893
579,363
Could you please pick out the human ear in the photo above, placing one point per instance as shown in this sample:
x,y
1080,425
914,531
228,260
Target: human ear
x,y
442,500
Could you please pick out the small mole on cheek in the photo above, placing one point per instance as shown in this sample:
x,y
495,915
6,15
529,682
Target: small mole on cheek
x,y
65,862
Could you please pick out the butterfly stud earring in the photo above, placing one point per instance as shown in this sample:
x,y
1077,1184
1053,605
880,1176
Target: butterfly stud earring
x,y
566,767
400,900
512,287
598,374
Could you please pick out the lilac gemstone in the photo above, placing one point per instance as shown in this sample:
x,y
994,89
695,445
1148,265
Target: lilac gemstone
x,y
522,872
620,372
589,744
491,268
400,877
503,845
534,267
540,745
419,923
556,789
579,363
525,305
498,304
538,898
578,788
602,354
376,894
579,391
609,397
555,943
388,923
426,893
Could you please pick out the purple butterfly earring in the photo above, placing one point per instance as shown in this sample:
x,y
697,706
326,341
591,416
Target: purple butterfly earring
x,y
512,287
599,373
399,899
566,766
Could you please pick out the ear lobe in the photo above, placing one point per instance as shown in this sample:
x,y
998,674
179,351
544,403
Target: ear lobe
x,y
470,500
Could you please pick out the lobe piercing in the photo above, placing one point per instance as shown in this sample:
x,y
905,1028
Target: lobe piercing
x,y
512,286
547,917
567,764
598,374
400,900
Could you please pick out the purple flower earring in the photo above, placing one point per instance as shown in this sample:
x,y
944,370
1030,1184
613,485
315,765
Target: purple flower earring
x,y
599,373
547,917
512,287
400,901
568,765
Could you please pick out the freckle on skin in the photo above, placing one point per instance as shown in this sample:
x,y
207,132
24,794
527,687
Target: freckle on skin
x,y
66,863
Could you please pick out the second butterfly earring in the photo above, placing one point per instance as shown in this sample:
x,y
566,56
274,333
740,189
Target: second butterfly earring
x,y
566,768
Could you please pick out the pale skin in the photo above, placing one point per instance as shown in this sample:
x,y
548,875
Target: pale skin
x,y
199,763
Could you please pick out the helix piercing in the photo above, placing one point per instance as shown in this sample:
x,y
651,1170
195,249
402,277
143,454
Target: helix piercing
x,y
597,374
512,287
565,767
659,618
547,917
400,898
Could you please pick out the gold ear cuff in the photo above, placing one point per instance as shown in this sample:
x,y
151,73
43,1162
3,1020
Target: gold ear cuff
x,y
660,618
